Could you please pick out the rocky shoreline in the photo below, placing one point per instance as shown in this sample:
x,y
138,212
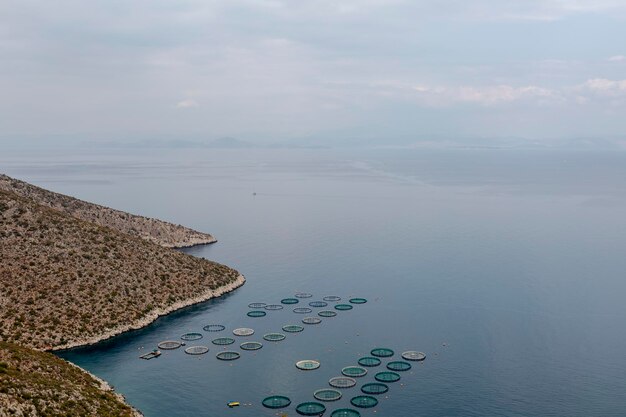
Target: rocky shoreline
x,y
153,315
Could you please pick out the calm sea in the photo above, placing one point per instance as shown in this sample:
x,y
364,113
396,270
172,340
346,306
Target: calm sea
x,y
508,269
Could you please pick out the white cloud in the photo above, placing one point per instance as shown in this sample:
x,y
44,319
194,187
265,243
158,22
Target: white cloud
x,y
605,87
617,58
187,103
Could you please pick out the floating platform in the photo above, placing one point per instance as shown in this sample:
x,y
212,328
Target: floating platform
x,y
151,355
276,401
413,355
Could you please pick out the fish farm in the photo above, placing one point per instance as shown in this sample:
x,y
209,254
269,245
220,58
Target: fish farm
x,y
196,350
276,401
311,409
274,337
293,328
307,365
369,361
213,328
251,345
327,394
191,336
228,355
243,331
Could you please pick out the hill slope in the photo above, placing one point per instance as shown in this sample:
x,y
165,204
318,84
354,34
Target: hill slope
x,y
154,230
36,383
67,282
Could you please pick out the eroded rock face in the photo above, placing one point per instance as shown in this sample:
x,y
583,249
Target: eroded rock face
x,y
154,230
66,282
35,383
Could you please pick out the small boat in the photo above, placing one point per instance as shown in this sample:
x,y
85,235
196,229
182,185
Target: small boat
x,y
151,355
233,404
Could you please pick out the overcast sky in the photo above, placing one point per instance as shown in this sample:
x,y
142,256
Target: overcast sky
x,y
275,70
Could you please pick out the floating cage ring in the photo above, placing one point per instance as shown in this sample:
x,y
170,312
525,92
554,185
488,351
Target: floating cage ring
x,y
303,295
413,355
293,328
191,336
274,337
251,345
354,371
387,376
364,401
257,305
169,345
374,388
345,412
302,310
213,328
311,320
276,401
243,331
318,304
343,307
332,298
342,382
196,350
256,313
398,366
327,313
358,300
272,307
369,361
311,409
382,352
289,301
327,394
307,365
223,341
228,355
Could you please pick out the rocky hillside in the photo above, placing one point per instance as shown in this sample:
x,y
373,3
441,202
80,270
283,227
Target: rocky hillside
x,y
66,281
36,383
157,231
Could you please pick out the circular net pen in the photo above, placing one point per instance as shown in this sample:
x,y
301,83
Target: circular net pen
x,y
223,341
382,352
276,401
213,328
196,350
413,355
243,331
289,301
345,412
369,361
387,376
257,305
191,336
303,295
273,307
302,310
399,366
251,345
354,371
311,409
326,313
327,394
374,388
342,382
332,298
274,337
358,300
364,401
293,328
228,355
318,304
307,365
311,320
343,307
169,345
256,313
